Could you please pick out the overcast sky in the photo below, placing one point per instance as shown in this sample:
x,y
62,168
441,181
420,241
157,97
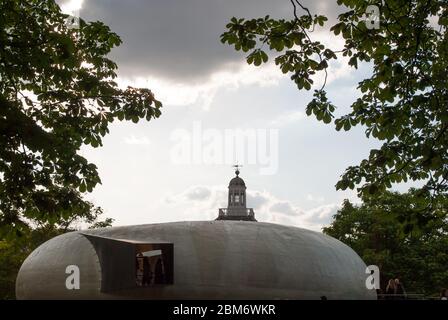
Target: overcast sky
x,y
178,166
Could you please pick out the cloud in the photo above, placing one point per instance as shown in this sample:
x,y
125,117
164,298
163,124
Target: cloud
x,y
139,141
201,76
311,197
179,40
203,202
202,94
322,214
72,7
173,47
257,199
195,203
283,207
203,196
198,193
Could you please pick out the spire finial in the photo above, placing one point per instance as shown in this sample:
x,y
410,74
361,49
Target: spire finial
x,y
237,167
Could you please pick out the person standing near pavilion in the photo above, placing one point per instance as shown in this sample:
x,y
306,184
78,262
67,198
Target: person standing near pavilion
x,y
399,289
444,294
391,290
147,274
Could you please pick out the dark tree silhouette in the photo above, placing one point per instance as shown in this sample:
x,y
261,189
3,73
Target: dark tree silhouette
x,y
57,93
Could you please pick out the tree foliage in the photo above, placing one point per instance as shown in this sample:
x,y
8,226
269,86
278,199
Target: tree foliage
x,y
57,93
404,101
391,231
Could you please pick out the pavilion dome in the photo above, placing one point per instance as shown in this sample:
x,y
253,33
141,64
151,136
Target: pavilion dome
x,y
233,257
211,260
